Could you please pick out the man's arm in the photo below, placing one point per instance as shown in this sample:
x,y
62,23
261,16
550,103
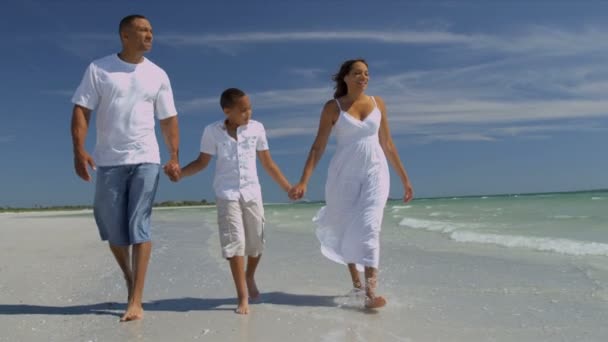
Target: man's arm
x,y
170,130
80,126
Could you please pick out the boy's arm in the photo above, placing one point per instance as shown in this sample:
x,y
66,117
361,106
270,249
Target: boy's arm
x,y
196,165
273,170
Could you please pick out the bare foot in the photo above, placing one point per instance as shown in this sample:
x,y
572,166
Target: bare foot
x,y
243,307
254,293
375,302
134,312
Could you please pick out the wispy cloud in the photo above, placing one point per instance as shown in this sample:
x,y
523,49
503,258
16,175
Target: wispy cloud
x,y
535,78
59,92
307,73
7,138
265,99
535,39
404,37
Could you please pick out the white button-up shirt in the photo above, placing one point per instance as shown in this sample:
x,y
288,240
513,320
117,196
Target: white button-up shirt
x,y
235,166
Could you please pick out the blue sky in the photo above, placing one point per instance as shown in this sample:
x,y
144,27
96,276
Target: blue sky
x,y
482,97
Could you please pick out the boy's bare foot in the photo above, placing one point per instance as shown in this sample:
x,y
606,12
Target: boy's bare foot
x,y
375,302
134,312
254,293
243,307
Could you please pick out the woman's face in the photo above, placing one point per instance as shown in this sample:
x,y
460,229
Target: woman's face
x,y
358,77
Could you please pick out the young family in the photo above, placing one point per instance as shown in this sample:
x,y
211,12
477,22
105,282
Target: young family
x,y
127,91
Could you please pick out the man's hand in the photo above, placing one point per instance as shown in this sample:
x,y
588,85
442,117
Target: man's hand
x,y
81,160
173,171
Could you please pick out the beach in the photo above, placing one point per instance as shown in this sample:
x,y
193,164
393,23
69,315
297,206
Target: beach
x,y
59,283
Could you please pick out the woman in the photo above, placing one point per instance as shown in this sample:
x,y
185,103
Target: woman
x,y
357,187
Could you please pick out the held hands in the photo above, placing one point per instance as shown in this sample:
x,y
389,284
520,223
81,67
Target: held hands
x,y
81,160
297,191
173,170
409,193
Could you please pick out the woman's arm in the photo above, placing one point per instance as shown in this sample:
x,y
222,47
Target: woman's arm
x,y
328,118
390,150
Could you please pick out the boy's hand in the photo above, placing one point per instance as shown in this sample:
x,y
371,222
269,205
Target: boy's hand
x,y
173,171
297,191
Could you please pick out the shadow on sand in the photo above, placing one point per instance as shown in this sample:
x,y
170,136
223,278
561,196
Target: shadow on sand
x,y
184,304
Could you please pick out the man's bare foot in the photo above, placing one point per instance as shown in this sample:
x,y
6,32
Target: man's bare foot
x,y
254,293
374,302
243,307
134,312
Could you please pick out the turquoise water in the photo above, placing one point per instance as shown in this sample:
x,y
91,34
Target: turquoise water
x,y
567,223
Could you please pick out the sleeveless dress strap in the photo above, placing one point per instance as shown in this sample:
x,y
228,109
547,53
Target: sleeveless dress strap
x,y
373,99
338,103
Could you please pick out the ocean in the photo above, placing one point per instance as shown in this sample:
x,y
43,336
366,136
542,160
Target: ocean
x,y
572,223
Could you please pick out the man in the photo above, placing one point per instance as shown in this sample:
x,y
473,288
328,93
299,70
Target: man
x,y
127,91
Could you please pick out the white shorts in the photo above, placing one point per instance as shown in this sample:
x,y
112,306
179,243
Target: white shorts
x,y
241,227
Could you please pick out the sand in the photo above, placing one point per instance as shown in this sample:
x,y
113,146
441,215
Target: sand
x,y
58,282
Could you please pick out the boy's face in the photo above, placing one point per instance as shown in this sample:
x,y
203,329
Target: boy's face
x,y
239,113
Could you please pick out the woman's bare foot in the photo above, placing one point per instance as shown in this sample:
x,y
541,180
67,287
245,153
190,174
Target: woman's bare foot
x,y
374,302
243,307
134,312
254,293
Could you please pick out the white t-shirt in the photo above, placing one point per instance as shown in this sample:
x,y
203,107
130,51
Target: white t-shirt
x,y
235,167
125,97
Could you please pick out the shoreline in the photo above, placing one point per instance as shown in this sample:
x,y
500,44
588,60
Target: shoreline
x,y
522,194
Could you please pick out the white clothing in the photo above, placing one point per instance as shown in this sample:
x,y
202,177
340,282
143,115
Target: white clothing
x,y
235,167
348,226
126,97
241,227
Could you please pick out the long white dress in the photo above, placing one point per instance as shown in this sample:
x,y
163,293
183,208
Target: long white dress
x,y
348,226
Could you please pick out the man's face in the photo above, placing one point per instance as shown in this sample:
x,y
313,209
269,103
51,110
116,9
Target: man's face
x,y
138,35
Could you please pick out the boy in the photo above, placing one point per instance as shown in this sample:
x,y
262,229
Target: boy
x,y
236,141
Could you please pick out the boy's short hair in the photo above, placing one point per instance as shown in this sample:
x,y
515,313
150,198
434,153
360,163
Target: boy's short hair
x,y
230,96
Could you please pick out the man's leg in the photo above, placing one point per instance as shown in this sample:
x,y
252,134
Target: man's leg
x,y
143,182
123,258
140,260
110,212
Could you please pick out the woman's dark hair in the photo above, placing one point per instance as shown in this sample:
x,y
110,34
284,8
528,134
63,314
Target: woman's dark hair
x,y
230,96
345,68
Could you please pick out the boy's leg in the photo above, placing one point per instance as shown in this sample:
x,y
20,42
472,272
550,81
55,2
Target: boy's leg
x,y
237,267
253,221
252,264
232,240
143,183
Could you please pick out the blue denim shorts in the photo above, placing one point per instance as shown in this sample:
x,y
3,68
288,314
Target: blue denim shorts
x,y
124,196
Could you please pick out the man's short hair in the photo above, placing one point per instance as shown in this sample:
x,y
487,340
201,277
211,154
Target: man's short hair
x,y
128,20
